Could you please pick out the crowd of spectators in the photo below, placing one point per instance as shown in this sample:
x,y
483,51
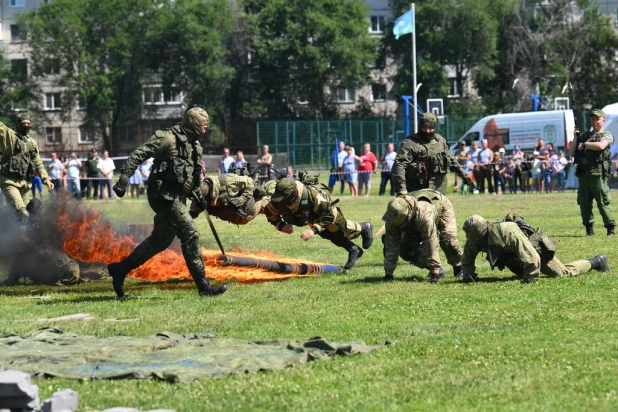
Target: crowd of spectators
x,y
545,170
92,178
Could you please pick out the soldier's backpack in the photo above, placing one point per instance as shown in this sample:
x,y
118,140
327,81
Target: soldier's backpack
x,y
544,245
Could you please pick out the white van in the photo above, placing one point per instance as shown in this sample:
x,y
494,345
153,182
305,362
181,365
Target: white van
x,y
611,120
523,129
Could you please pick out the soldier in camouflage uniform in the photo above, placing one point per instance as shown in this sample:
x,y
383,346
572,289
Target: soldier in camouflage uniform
x,y
175,176
592,157
20,159
234,198
424,160
507,246
415,224
295,204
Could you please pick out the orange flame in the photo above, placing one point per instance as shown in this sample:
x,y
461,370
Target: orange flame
x,y
88,238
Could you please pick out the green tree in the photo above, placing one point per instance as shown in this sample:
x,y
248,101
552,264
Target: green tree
x,y
303,47
187,47
108,50
460,33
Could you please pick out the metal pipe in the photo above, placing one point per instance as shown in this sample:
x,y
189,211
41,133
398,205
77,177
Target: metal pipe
x,y
279,267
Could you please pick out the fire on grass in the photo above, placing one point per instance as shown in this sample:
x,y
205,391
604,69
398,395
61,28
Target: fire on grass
x,y
89,238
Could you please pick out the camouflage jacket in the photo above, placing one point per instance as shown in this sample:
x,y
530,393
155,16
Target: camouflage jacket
x,y
506,246
422,224
13,146
594,162
176,167
227,187
420,164
312,208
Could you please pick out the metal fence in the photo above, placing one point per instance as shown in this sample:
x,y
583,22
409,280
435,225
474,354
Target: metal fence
x,y
310,143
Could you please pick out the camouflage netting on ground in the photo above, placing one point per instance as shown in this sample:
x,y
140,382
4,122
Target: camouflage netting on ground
x,y
50,352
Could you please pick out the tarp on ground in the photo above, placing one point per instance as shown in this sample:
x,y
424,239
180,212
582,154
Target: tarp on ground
x,y
167,356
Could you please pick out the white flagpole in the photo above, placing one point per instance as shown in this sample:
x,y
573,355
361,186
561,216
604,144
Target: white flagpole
x,y
414,68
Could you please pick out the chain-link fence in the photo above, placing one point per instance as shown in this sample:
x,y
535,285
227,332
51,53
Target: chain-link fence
x,y
311,143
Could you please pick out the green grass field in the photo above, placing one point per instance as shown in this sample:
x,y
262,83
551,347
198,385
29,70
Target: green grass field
x,y
497,344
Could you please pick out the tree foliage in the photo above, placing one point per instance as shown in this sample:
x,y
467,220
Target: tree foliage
x,y
109,50
303,47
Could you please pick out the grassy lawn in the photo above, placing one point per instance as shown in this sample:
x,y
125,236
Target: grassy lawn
x,y
496,344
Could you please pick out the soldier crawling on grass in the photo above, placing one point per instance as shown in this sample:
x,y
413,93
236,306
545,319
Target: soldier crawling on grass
x,y
526,254
415,224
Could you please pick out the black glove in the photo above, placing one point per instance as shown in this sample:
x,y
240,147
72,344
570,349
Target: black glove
x,y
237,202
120,188
194,213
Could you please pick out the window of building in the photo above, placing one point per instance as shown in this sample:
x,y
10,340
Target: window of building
x,y
156,95
51,66
378,92
19,68
377,24
81,103
17,3
15,33
52,101
172,95
85,135
53,134
452,88
126,133
344,96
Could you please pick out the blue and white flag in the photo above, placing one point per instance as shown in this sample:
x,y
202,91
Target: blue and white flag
x,y
404,25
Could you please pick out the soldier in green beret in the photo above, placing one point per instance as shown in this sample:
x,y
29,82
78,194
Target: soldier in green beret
x,y
175,176
591,151
19,161
415,225
424,160
296,204
506,245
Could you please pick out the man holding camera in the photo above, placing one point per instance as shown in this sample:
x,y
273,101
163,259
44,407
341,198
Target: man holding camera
x,y
591,151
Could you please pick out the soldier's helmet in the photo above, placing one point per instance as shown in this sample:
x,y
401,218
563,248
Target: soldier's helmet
x,y
285,189
429,119
475,227
24,116
397,211
194,119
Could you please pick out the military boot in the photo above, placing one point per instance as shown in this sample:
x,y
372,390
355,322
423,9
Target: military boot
x,y
435,277
589,230
354,253
367,234
610,230
599,262
457,272
119,271
204,287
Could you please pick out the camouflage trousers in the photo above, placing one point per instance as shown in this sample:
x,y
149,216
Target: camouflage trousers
x,y
555,268
17,197
171,220
341,231
412,250
594,188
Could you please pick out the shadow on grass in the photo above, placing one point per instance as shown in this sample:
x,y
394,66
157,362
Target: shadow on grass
x,y
380,279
